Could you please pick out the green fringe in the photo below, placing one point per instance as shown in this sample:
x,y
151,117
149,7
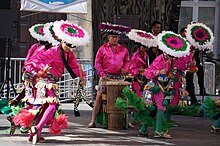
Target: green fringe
x,y
15,110
165,102
167,125
6,110
121,103
192,110
175,79
102,119
166,93
210,108
145,115
137,103
174,109
3,103
58,112
155,89
146,118
187,110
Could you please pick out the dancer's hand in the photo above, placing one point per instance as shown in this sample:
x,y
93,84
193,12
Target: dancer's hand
x,y
141,71
13,102
193,63
163,71
105,78
124,72
47,68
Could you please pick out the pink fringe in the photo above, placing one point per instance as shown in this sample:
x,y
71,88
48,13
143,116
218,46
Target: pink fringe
x,y
59,124
24,118
136,86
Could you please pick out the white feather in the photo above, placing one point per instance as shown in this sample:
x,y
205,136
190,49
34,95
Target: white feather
x,y
49,35
36,35
207,45
76,41
168,50
144,41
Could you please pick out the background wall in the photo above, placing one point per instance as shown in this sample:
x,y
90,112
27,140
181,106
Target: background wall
x,y
137,14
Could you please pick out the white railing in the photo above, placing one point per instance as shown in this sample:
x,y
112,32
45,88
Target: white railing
x,y
67,85
209,79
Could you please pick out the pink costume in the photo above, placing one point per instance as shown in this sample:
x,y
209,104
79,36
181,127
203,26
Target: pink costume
x,y
33,51
110,61
137,62
152,72
53,58
29,80
181,63
29,84
47,89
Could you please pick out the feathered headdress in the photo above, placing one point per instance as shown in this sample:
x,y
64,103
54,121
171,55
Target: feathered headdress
x,y
37,32
145,38
71,33
200,36
50,35
173,44
114,28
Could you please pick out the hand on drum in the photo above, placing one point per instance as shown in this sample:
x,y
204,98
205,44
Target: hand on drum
x,y
124,72
163,71
105,78
13,102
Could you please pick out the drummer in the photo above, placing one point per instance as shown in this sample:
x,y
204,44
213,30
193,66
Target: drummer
x,y
111,62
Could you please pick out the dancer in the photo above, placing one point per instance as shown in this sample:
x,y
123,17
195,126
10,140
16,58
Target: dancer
x,y
139,61
181,65
37,32
28,90
137,67
48,67
211,110
168,42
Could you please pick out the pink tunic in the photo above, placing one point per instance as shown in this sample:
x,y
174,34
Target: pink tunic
x,y
35,50
152,72
52,57
31,51
110,61
181,63
137,61
159,63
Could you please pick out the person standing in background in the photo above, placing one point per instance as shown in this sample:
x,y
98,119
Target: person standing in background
x,y
190,88
153,52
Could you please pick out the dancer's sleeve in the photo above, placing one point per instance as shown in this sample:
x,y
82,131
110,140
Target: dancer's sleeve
x,y
98,63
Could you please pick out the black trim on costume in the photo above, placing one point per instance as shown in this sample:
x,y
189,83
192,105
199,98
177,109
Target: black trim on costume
x,y
72,74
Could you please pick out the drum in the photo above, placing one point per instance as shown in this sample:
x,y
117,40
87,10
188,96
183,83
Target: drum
x,y
117,119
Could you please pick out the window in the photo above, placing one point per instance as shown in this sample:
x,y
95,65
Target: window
x,y
207,16
207,12
185,16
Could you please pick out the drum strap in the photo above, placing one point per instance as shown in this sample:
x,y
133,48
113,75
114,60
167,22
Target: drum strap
x,y
68,68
